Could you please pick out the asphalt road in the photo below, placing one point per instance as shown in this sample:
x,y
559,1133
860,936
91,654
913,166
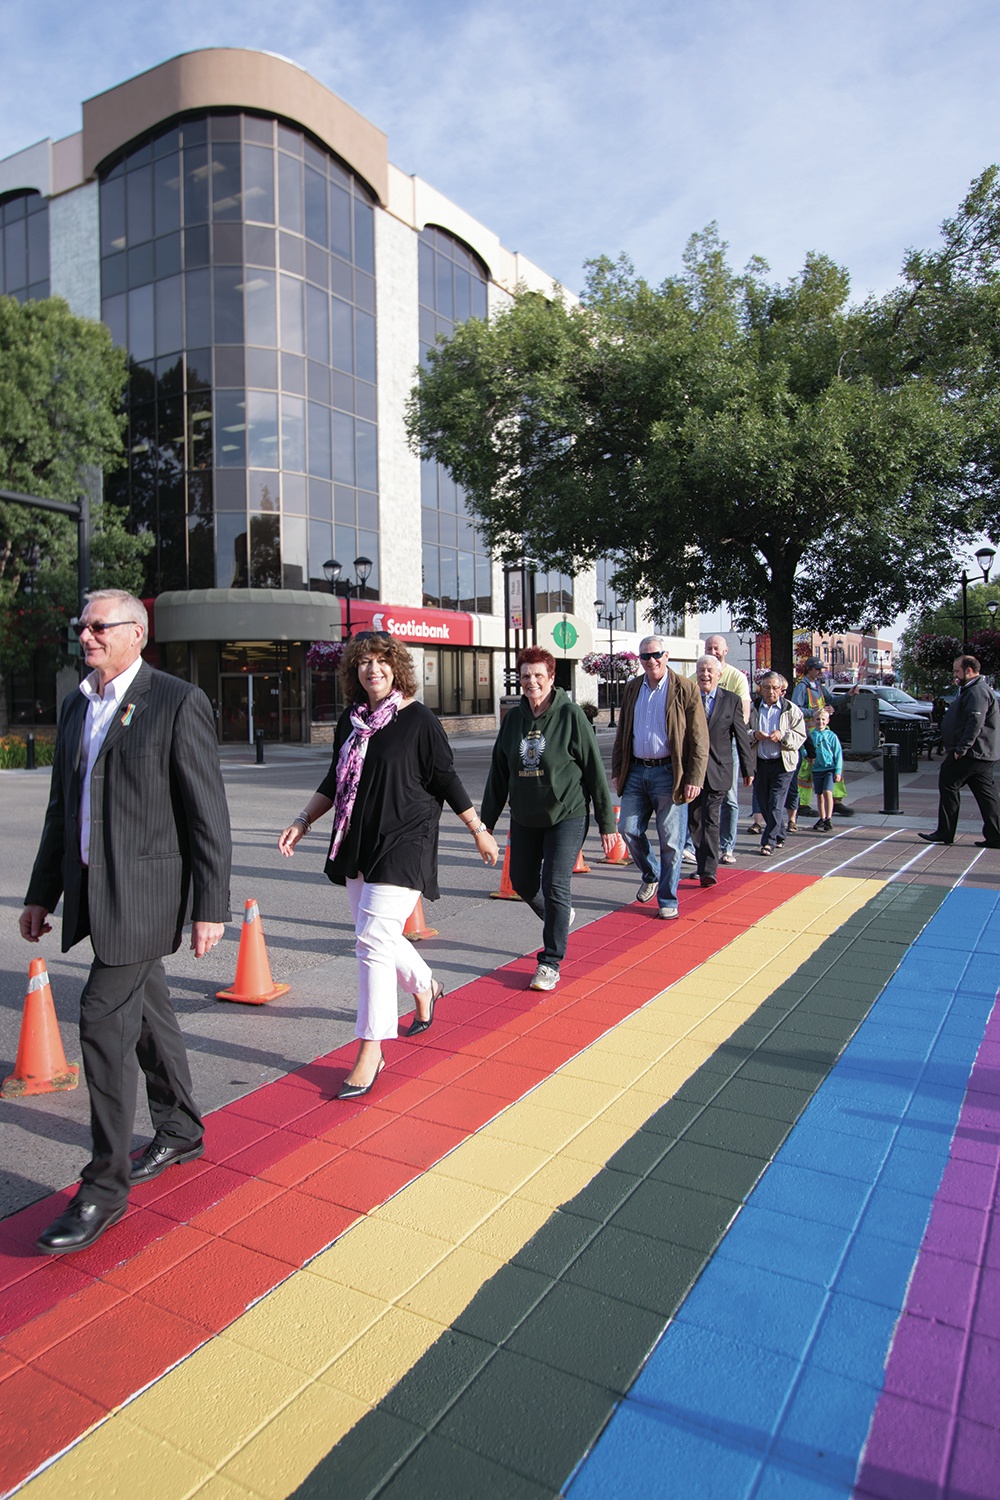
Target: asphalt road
x,y
306,923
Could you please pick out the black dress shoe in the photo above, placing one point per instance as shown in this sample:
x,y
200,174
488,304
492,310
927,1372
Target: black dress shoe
x,y
359,1090
985,844
933,838
78,1226
708,880
159,1155
416,1026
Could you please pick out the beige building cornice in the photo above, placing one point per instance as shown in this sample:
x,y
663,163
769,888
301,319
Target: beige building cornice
x,y
231,78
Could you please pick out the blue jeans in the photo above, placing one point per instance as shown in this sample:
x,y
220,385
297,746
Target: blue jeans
x,y
541,863
648,790
729,814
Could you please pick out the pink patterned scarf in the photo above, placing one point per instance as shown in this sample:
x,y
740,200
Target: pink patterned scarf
x,y
366,721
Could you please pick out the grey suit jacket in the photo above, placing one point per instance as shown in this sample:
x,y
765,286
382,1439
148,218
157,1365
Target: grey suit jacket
x,y
160,841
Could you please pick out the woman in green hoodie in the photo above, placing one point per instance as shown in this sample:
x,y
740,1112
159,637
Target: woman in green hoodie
x,y
546,764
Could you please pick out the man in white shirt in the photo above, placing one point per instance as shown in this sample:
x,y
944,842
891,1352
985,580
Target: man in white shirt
x,y
137,842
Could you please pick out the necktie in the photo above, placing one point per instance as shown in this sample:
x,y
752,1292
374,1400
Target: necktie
x,y
704,699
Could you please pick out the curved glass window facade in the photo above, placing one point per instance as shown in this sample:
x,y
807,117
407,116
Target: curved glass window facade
x,y
615,604
456,565
238,270
553,593
24,246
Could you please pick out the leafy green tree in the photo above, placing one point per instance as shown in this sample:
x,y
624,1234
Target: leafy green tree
x,y
61,422
731,441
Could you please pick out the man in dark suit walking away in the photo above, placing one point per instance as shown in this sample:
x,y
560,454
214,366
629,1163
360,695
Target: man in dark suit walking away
x,y
970,734
726,726
137,841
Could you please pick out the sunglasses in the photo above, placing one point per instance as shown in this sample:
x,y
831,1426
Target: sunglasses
x,y
373,635
98,627
651,655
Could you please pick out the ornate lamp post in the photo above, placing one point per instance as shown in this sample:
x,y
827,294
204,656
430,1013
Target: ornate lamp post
x,y
984,557
609,620
333,570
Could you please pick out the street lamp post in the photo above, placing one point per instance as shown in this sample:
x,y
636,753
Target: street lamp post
x,y
333,570
984,557
609,620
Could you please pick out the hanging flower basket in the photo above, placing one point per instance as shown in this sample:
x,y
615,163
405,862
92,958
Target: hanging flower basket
x,y
617,668
325,656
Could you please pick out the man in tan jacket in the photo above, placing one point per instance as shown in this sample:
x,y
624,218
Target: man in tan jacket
x,y
658,766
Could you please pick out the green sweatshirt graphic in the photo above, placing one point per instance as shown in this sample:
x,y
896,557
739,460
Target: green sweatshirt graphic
x,y
547,768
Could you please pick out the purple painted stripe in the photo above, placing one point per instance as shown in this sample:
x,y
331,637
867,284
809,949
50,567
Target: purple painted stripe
x,y
935,1431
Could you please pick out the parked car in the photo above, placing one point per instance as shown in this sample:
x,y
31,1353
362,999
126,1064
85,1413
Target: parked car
x,y
897,700
889,714
892,701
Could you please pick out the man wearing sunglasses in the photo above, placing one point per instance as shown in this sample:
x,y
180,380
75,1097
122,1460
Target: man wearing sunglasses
x,y
137,842
658,765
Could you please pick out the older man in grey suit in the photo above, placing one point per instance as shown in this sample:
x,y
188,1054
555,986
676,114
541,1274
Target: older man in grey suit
x,y
137,841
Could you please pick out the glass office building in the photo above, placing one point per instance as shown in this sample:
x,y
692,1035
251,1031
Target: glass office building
x,y
275,281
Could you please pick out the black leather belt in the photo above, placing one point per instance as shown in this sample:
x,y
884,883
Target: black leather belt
x,y
663,761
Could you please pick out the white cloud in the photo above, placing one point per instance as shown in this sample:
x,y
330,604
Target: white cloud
x,y
579,129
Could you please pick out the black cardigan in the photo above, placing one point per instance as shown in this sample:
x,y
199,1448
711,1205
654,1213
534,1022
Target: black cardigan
x,y
408,773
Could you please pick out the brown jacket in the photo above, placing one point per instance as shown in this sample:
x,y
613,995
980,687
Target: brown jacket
x,y
687,733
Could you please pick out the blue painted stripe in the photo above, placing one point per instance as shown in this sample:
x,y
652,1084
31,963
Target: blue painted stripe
x,y
766,1381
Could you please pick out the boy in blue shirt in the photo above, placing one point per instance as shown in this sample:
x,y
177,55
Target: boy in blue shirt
x,y
827,755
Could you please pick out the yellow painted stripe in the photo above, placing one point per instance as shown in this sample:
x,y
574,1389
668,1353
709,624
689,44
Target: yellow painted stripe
x,y
254,1410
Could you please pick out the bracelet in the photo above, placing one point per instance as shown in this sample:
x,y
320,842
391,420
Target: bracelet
x,y
304,819
480,828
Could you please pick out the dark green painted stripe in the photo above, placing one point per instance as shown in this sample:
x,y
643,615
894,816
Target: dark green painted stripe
x,y
508,1401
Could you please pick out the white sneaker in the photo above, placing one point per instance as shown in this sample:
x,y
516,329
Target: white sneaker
x,y
669,911
546,978
689,857
647,890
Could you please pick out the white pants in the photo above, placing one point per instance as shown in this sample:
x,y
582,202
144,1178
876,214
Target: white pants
x,y
385,956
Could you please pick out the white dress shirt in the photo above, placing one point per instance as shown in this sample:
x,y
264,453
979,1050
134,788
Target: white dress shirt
x,y
101,709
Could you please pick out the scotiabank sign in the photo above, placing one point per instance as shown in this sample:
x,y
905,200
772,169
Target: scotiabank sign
x,y
422,627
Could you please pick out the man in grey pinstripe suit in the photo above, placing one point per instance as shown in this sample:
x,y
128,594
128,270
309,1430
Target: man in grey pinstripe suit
x,y
137,842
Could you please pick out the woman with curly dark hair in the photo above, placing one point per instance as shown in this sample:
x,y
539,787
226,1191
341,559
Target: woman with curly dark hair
x,y
391,772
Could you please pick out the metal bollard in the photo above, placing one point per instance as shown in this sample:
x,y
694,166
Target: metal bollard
x,y
259,742
890,778
29,748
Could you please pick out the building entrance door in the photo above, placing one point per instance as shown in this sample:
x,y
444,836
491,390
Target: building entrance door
x,y
251,702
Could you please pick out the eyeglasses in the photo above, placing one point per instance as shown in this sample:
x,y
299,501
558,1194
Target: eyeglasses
x,y
98,627
651,655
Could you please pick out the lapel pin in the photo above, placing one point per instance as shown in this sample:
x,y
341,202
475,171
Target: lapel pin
x,y
127,715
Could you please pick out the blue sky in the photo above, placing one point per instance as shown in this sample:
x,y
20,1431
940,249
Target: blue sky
x,y
578,129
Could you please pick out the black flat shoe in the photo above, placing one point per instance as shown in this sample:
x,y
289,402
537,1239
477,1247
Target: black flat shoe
x,y
416,1026
359,1090
159,1155
933,838
982,844
77,1227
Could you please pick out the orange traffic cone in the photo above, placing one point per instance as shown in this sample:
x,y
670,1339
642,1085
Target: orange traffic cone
x,y
619,854
581,867
506,891
414,928
41,1066
253,984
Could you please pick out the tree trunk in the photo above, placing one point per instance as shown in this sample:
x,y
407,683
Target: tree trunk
x,y
780,624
